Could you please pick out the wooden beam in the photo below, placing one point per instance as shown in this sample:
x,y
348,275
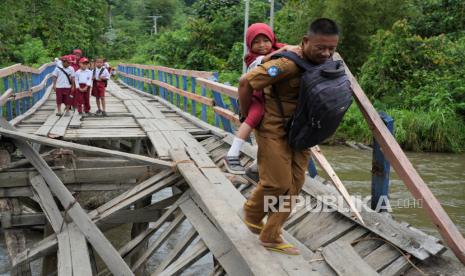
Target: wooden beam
x,y
407,172
321,159
6,96
78,147
85,175
224,89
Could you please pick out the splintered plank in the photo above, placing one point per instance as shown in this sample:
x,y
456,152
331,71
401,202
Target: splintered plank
x,y
59,129
177,251
381,225
48,124
75,120
188,258
46,201
158,241
220,247
345,261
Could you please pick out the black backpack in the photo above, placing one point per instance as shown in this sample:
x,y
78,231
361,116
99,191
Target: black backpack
x,y
324,97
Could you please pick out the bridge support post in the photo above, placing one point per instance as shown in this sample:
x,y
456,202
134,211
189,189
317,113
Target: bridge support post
x,y
312,168
380,172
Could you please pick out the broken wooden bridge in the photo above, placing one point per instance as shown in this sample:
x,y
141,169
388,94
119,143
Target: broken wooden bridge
x,y
153,168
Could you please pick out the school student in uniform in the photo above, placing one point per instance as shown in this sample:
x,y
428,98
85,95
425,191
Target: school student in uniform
x,y
63,84
83,80
100,77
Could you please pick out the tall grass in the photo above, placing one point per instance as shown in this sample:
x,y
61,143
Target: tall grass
x,y
414,130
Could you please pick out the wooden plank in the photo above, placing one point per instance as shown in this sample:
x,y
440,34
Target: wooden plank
x,y
47,126
75,120
65,263
218,245
130,199
84,175
385,227
326,230
177,251
345,261
191,256
407,172
159,143
218,87
5,97
83,148
158,241
33,109
103,247
324,164
396,268
59,129
382,257
253,254
142,109
47,203
172,108
128,248
79,252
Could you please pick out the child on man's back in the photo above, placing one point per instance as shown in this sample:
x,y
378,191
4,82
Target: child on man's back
x,y
262,45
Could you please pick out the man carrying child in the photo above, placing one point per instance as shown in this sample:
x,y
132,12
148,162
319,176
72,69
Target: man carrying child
x,y
281,169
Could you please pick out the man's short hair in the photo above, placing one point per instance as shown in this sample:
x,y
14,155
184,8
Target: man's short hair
x,y
323,26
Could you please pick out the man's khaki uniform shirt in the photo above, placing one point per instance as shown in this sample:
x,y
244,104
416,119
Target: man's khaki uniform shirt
x,y
285,76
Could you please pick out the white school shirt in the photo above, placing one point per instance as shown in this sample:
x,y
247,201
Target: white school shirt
x,y
104,73
62,80
258,60
58,63
83,76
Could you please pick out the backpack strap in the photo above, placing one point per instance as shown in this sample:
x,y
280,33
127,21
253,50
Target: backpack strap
x,y
66,74
302,63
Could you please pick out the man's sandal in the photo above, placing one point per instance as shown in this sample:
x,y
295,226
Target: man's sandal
x,y
254,228
282,248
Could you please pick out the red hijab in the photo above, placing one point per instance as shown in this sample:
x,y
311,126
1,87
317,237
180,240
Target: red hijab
x,y
252,32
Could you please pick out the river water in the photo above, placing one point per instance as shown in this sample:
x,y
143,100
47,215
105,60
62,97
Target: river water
x,y
443,173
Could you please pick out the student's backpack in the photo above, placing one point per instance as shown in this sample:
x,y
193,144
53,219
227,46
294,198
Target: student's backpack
x,y
324,97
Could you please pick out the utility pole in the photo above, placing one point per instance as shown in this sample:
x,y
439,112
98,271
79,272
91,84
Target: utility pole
x,y
109,16
155,18
246,25
271,13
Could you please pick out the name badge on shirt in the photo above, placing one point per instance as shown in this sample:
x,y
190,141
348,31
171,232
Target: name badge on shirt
x,y
273,71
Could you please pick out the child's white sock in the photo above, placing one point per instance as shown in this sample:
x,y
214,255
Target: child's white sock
x,y
235,147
